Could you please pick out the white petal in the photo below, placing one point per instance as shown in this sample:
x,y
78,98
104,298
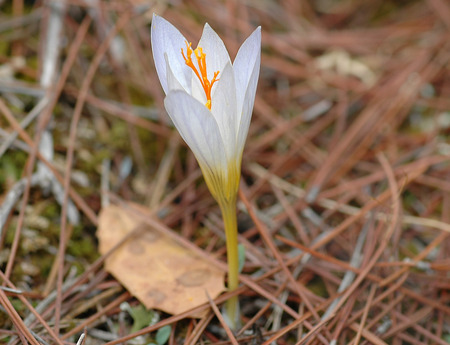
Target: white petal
x,y
197,90
172,81
166,39
247,109
248,59
223,107
199,130
214,48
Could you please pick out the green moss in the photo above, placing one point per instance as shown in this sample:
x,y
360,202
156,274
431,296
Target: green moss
x,y
11,166
318,287
4,48
82,247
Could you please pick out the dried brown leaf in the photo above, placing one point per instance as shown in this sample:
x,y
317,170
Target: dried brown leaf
x,y
155,269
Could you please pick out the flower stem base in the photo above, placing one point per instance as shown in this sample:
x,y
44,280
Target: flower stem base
x,y
228,209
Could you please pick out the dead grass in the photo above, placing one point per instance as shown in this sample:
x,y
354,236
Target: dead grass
x,y
345,193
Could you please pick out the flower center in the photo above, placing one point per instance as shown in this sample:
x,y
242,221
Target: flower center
x,y
201,71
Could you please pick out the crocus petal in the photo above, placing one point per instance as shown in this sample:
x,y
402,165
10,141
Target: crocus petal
x,y
197,90
214,48
223,108
248,59
247,108
199,130
172,81
246,70
166,39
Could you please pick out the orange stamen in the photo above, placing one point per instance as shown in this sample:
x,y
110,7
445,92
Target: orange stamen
x,y
201,71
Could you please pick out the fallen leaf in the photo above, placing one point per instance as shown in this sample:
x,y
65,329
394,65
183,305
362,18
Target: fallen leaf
x,y
153,267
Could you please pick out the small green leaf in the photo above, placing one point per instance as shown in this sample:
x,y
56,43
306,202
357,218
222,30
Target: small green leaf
x,y
241,256
163,334
141,317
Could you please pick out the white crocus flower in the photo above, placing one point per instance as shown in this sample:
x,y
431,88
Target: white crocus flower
x,y
209,98
210,101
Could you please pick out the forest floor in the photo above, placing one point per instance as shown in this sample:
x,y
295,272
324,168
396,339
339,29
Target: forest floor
x,y
344,201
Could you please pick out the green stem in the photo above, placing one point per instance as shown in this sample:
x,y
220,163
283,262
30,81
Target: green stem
x,y
228,209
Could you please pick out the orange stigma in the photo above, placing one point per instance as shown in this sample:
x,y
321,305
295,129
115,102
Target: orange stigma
x,y
201,71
